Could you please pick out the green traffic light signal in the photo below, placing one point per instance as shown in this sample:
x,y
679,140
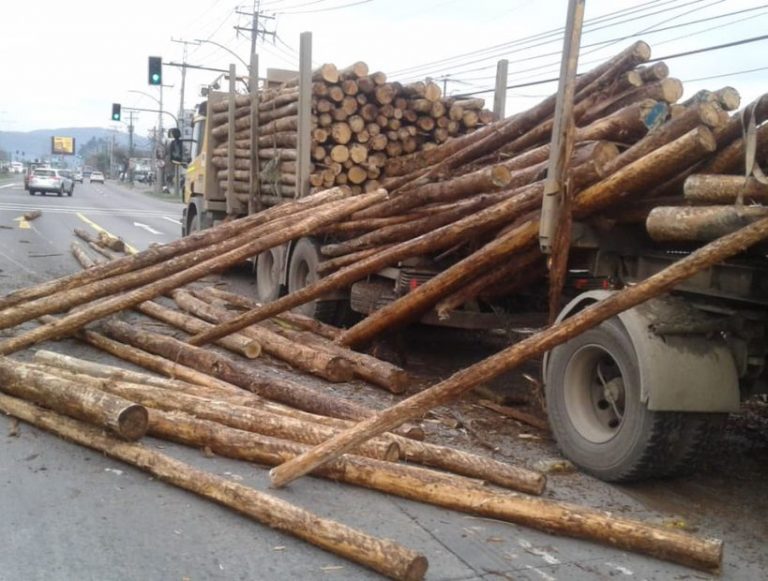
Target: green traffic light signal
x,y
116,111
155,70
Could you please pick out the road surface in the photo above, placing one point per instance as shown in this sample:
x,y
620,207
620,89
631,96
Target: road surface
x,y
69,513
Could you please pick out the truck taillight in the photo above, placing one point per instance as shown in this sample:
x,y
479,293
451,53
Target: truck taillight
x,y
413,284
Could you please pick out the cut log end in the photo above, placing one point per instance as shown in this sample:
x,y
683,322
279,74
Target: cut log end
x,y
253,350
132,422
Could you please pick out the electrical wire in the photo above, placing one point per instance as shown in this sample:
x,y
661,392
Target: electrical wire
x,y
555,35
733,74
662,58
325,9
586,30
554,66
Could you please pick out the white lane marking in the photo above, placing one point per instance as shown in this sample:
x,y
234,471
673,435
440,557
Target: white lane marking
x,y
147,228
8,186
51,207
174,220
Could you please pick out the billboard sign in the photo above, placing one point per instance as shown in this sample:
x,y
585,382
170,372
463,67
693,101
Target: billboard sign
x,y
63,145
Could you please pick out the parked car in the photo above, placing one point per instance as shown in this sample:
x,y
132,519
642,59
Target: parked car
x,y
78,177
50,180
97,176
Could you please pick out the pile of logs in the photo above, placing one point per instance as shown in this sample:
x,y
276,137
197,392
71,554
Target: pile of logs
x,y
470,207
359,122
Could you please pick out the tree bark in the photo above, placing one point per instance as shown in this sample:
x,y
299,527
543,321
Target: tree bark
x,y
245,376
295,319
513,356
122,417
699,223
481,181
236,342
719,189
249,419
381,555
332,367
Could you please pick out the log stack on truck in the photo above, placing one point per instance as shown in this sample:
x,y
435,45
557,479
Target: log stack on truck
x,y
455,243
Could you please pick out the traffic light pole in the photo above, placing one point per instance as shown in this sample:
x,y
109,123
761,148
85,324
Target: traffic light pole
x,y
160,183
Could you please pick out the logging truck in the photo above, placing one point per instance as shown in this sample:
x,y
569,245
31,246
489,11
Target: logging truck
x,y
638,396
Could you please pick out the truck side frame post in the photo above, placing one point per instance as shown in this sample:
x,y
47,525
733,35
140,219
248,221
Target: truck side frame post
x,y
305,113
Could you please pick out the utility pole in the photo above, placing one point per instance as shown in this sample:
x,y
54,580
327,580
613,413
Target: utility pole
x,y
186,43
254,30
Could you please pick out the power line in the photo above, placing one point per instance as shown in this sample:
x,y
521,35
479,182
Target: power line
x,y
553,66
327,9
662,58
554,34
546,42
733,74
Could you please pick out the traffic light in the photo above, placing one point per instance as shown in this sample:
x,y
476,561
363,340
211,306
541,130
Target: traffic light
x,y
155,70
116,111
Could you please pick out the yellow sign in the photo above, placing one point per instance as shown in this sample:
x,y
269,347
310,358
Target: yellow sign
x,y
62,145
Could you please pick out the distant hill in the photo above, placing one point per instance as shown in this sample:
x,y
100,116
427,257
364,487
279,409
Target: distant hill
x,y
38,143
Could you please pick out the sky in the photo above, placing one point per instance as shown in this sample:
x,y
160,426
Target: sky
x,y
65,63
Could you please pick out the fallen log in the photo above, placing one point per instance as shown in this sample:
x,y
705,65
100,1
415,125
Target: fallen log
x,y
699,223
250,419
383,556
108,306
332,367
205,386
66,299
122,417
81,255
237,343
296,319
156,254
724,189
100,370
246,376
532,346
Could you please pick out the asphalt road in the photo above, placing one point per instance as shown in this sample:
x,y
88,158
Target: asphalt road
x,y
69,513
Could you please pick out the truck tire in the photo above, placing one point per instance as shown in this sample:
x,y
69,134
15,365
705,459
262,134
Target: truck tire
x,y
302,271
598,420
269,266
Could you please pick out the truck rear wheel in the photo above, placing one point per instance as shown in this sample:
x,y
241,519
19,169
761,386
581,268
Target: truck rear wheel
x,y
598,419
302,271
269,266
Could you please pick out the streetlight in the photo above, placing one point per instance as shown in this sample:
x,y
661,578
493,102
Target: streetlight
x,y
234,54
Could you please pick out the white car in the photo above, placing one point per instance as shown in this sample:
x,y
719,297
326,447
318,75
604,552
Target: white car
x,y
45,180
97,176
